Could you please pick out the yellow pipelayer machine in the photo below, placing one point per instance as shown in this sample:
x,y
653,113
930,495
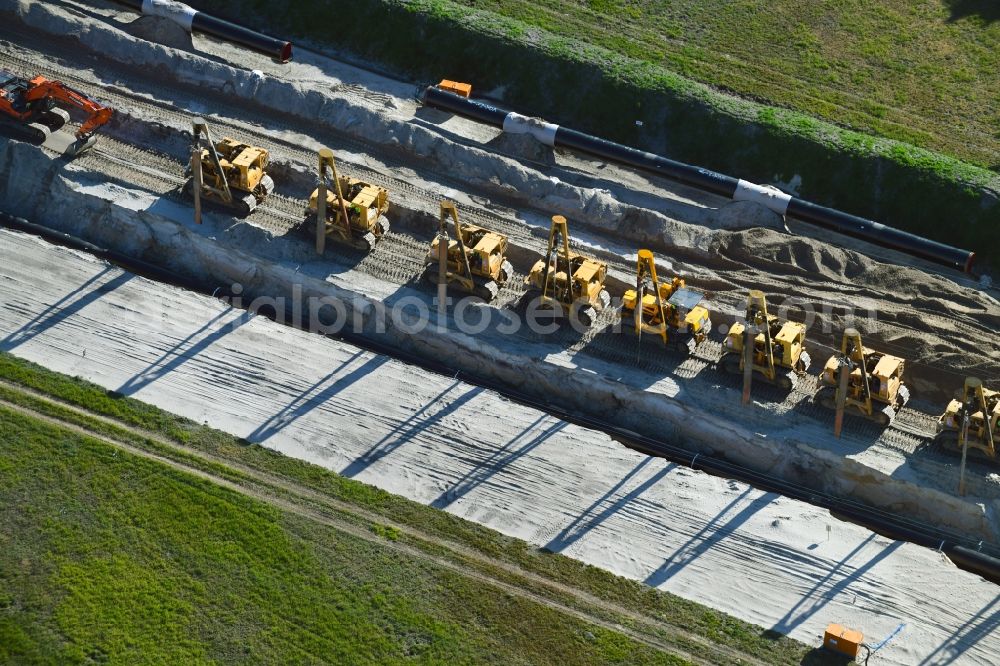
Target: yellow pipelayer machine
x,y
669,310
353,213
474,262
863,380
973,421
568,280
764,347
229,173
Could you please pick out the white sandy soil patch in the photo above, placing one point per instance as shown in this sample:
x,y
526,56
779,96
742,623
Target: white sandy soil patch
x,y
941,321
759,556
686,405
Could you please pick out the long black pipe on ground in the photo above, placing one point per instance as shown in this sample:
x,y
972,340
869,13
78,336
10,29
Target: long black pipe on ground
x,y
193,20
554,135
960,552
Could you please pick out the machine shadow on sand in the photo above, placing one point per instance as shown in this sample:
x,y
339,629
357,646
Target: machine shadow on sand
x,y
315,396
837,579
606,506
859,434
416,423
185,350
614,351
977,627
533,436
709,536
415,305
69,305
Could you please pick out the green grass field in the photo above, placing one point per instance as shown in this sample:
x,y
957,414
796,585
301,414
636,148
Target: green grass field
x,y
108,556
111,557
922,71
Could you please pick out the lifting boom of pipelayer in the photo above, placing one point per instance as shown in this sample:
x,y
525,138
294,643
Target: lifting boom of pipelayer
x,y
736,189
193,20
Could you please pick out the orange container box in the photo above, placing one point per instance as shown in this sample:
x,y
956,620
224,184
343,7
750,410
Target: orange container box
x,y
842,640
463,89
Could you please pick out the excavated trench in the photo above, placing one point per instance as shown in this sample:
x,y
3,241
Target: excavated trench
x,y
707,245
945,330
415,217
220,253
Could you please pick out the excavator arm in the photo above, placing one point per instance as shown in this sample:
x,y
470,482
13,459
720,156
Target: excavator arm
x,y
40,88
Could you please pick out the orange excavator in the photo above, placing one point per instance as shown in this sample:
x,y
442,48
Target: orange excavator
x,y
30,108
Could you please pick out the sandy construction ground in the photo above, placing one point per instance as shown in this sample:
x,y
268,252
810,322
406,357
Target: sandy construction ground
x,y
943,322
759,556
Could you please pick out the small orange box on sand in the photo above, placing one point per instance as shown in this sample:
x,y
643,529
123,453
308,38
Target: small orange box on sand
x,y
463,89
842,640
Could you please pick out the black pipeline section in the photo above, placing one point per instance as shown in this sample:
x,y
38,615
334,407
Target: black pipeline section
x,y
193,20
716,183
964,553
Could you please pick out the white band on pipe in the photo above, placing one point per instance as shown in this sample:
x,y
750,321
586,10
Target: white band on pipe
x,y
766,195
177,12
515,123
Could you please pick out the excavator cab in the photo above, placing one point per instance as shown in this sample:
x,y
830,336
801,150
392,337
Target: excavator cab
x,y
12,91
30,110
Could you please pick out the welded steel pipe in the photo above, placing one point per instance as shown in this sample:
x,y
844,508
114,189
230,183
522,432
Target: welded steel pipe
x,y
193,20
736,189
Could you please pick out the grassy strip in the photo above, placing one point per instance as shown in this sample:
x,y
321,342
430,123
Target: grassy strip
x,y
569,76
111,557
191,460
703,621
899,69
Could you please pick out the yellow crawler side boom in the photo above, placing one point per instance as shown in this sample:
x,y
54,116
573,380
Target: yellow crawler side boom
x,y
973,421
353,212
862,381
568,281
763,347
475,261
670,310
228,173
